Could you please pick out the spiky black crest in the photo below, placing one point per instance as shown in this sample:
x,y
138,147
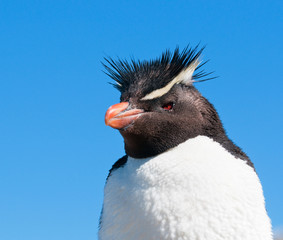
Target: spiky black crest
x,y
153,74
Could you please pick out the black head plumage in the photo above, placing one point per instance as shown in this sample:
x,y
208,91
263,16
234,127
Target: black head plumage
x,y
149,86
153,74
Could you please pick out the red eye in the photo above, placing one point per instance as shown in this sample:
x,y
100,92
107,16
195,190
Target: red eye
x,y
168,106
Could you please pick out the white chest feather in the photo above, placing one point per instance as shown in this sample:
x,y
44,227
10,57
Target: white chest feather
x,y
196,191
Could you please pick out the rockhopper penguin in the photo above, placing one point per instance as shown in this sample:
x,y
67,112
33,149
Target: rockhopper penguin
x,y
182,178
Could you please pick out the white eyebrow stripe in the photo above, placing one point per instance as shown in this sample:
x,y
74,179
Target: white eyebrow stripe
x,y
185,76
160,92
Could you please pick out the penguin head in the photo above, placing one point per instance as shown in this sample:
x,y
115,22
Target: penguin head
x,y
159,106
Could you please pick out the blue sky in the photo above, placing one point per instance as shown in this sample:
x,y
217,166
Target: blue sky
x,y
55,150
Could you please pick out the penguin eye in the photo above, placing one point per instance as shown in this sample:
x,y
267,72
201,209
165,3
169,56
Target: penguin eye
x,y
168,106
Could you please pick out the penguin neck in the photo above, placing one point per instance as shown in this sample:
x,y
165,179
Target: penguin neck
x,y
139,147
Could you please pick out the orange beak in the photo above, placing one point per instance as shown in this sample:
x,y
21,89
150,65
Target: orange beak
x,y
118,118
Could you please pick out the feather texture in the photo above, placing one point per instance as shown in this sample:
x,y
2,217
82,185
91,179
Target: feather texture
x,y
155,74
